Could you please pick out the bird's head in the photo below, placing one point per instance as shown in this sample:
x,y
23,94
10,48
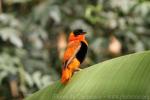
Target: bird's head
x,y
77,34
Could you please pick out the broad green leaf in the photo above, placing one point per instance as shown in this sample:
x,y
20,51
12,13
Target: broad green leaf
x,y
126,77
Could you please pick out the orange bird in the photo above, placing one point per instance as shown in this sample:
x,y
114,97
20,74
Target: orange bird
x,y
74,54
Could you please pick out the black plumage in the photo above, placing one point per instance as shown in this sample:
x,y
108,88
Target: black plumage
x,y
78,32
82,52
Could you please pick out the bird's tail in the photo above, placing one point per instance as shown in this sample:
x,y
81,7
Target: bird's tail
x,y
66,75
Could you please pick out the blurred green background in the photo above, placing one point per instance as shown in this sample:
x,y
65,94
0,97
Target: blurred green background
x,y
33,37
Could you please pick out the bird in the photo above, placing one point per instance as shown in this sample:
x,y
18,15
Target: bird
x,y
74,54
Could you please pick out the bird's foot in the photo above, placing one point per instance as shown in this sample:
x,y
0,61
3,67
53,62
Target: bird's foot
x,y
78,69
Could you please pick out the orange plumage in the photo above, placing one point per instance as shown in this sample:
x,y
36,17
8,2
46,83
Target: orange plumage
x,y
74,54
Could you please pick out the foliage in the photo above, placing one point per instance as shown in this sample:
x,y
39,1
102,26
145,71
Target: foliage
x,y
33,36
125,77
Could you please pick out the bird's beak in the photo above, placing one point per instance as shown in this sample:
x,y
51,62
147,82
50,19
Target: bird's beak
x,y
84,32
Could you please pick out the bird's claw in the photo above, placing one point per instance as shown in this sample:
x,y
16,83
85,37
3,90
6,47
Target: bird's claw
x,y
78,69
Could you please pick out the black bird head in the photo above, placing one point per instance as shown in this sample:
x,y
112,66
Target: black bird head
x,y
78,32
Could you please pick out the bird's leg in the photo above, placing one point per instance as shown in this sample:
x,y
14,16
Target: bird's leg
x,y
78,69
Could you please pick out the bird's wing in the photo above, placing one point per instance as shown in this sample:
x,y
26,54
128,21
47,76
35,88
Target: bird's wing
x,y
71,51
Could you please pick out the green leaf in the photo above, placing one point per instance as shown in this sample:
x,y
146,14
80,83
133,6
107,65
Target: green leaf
x,y
12,35
126,77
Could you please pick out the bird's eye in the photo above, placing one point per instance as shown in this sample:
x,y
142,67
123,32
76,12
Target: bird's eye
x,y
78,32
